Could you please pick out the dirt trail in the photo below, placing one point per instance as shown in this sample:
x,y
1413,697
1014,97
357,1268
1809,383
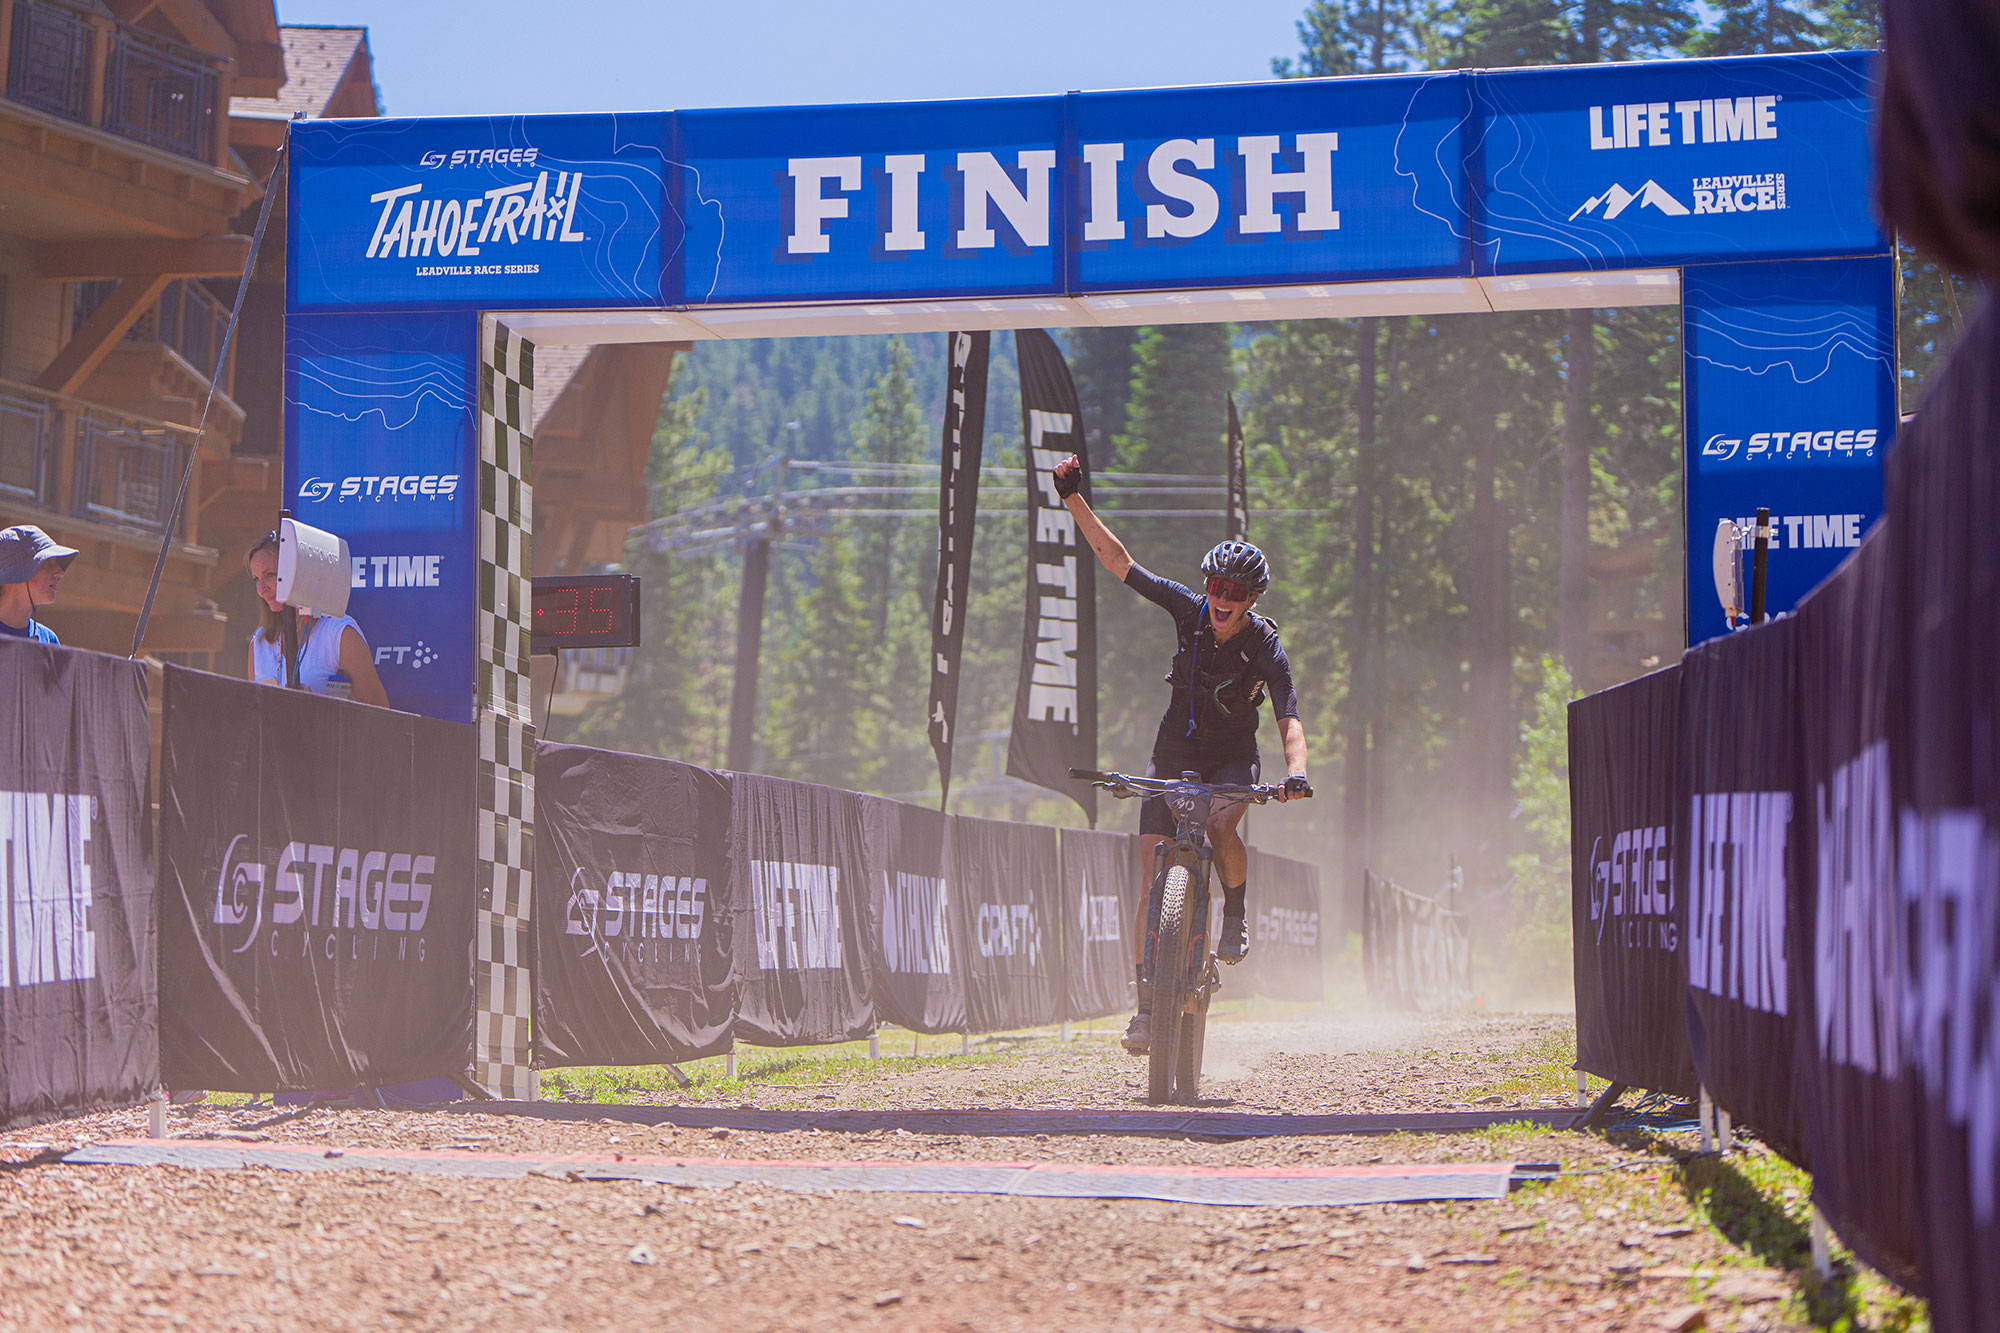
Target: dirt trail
x,y
1618,1245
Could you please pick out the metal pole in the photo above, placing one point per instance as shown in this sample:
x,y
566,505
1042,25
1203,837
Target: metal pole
x,y
1822,1252
749,647
1759,562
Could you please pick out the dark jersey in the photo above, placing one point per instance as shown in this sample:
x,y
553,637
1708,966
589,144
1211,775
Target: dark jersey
x,y
1216,689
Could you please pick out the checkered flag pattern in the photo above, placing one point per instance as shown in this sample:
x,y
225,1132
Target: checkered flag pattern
x,y
505,990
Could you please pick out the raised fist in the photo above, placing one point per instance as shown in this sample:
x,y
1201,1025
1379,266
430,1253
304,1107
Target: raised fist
x,y
1068,476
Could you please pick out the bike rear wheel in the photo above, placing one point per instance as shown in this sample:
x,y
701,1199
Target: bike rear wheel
x,y
1170,983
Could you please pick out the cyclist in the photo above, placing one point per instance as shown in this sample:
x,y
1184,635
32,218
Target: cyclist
x,y
1226,660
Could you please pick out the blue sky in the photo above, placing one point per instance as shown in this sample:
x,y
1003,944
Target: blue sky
x,y
462,58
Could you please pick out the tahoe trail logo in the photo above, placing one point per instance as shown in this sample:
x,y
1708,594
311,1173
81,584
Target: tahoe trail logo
x,y
1617,199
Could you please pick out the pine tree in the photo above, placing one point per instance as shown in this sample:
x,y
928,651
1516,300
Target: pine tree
x,y
676,698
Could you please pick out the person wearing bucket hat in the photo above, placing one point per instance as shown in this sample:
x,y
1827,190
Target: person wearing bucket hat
x,y
31,565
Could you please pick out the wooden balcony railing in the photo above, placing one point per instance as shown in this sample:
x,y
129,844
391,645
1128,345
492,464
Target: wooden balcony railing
x,y
84,460
187,318
91,69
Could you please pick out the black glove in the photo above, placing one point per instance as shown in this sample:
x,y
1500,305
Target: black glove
x,y
1297,788
1069,476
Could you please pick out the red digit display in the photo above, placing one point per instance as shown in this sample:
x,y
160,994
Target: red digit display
x,y
584,611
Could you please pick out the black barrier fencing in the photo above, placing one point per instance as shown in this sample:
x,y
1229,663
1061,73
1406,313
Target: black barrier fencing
x,y
1416,951
687,909
316,871
79,1028
315,918
1786,874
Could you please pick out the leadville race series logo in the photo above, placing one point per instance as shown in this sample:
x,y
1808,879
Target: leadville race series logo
x,y
318,900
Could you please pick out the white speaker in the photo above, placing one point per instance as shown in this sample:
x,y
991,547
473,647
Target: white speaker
x,y
1727,562
313,569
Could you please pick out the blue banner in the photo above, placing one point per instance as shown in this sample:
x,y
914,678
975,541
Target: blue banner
x,y
1287,182
379,449
480,213
1791,404
931,199
1676,162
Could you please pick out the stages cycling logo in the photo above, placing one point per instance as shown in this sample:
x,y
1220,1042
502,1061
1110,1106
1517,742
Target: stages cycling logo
x,y
642,918
1771,445
410,486
1632,890
319,900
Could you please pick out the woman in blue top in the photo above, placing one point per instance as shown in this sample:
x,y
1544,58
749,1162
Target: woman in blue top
x,y
329,646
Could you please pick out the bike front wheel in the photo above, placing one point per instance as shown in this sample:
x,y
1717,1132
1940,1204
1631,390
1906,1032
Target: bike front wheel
x,y
1170,983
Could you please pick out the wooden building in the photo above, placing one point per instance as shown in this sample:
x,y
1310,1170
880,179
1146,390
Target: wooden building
x,y
136,141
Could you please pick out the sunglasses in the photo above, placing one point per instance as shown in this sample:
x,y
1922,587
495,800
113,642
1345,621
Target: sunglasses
x,y
1228,590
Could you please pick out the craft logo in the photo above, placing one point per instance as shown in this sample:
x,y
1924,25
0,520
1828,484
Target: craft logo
x,y
916,932
410,486
411,225
795,915
1009,930
45,888
316,900
638,917
1287,925
395,571
416,657
1632,890
1775,445
1737,846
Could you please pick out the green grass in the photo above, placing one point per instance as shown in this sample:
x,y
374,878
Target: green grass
x,y
785,1070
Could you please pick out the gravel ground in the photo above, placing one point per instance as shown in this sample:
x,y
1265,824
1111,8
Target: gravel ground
x,y
1614,1244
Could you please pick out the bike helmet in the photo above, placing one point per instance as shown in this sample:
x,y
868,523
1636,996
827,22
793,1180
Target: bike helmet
x,y
1240,561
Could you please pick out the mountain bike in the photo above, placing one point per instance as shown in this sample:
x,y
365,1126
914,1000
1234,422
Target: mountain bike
x,y
1176,961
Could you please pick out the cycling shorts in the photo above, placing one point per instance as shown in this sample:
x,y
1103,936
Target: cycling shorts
x,y
1239,771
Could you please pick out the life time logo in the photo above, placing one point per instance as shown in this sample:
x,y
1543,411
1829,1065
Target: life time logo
x,y
1632,890
1772,445
639,916
1811,532
45,888
1700,121
406,486
412,224
317,900
395,571
1708,194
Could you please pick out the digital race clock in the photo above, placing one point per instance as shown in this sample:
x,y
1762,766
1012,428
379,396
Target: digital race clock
x,y
584,611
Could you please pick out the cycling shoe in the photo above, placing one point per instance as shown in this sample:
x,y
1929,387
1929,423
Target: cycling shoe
x,y
1138,1037
1233,946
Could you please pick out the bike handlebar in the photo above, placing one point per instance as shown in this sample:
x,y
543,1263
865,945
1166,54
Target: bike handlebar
x,y
1124,784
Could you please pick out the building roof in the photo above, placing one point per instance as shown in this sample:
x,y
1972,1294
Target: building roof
x,y
316,62
555,367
